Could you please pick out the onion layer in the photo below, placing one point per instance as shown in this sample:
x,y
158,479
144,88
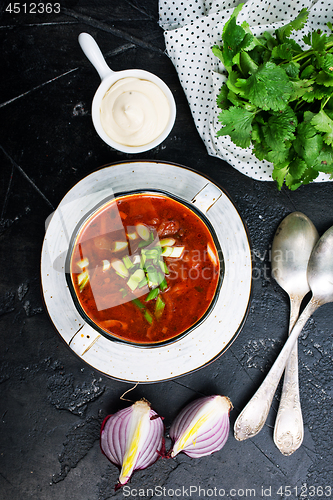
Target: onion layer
x,y
132,439
202,427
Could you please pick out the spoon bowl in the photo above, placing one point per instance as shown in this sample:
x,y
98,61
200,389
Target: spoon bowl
x,y
291,249
320,270
320,279
109,78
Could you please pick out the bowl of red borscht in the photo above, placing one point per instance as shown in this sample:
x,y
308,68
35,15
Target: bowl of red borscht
x,y
144,268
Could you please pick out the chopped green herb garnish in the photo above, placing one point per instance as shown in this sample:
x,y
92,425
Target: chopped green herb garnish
x,y
163,285
143,283
163,267
159,307
120,268
83,280
148,316
127,261
138,303
152,294
152,253
143,231
152,274
143,244
146,313
135,279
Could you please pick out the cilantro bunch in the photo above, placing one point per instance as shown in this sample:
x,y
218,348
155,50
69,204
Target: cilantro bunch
x,y
278,98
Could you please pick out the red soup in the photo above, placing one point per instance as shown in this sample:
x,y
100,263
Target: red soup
x,y
144,268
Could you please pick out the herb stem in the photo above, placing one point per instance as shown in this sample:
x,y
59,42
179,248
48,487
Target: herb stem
x,y
323,104
303,55
310,52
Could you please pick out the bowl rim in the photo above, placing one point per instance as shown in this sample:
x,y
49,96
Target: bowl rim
x,y
104,86
68,274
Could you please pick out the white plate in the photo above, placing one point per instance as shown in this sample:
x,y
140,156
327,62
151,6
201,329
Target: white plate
x,y
205,343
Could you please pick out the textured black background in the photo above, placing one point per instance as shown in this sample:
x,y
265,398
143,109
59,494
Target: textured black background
x,y
52,404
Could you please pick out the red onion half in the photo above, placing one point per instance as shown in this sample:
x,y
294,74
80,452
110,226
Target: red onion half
x,y
132,439
202,427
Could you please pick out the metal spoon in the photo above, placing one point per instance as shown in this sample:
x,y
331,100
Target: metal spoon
x,y
291,249
320,279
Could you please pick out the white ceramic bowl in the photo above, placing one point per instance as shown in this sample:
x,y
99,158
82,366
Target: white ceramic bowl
x,y
109,77
194,206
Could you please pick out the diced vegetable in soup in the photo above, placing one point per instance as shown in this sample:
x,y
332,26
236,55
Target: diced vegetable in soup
x,y
145,268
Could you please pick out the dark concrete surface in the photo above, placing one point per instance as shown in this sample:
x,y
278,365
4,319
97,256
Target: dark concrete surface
x,y
52,404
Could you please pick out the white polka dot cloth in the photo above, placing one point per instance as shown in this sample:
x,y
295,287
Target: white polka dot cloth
x,y
191,28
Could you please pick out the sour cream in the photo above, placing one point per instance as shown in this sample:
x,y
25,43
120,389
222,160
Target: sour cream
x,y
134,112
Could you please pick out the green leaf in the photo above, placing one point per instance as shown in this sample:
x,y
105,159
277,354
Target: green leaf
x,y
318,41
279,175
327,64
271,42
261,151
297,168
324,161
279,157
222,98
324,79
217,51
283,52
233,82
238,124
317,92
291,68
247,64
323,123
292,183
252,41
308,143
300,88
238,101
310,175
307,39
308,71
308,115
297,24
258,54
268,88
286,50
234,99
279,128
257,135
233,36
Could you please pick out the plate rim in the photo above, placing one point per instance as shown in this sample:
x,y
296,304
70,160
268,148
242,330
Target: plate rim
x,y
250,294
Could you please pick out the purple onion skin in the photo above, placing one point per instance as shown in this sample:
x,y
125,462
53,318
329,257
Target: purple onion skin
x,y
209,441
118,423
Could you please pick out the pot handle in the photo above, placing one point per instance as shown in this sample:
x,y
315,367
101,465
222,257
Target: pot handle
x,y
206,197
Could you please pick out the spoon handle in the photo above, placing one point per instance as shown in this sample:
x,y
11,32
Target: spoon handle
x,y
253,417
94,54
288,430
